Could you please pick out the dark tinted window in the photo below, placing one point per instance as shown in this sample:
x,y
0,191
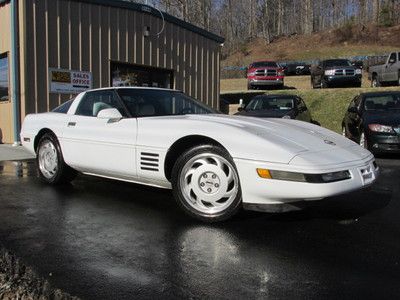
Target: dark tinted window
x,y
264,64
147,102
63,108
93,102
393,57
337,63
4,75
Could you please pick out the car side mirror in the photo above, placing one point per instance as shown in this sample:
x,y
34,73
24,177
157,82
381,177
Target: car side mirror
x,y
352,110
391,61
111,114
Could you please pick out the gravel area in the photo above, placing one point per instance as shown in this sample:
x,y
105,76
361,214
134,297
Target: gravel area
x,y
18,281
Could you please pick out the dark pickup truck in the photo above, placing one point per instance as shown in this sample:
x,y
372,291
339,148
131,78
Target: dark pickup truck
x,y
335,72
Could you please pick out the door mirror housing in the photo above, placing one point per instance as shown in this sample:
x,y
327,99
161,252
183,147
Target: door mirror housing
x,y
111,114
352,110
392,61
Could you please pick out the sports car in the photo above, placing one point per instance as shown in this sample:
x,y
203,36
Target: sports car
x,y
214,163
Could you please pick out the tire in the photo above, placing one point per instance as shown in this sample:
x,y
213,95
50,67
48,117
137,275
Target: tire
x,y
324,84
50,162
205,183
375,82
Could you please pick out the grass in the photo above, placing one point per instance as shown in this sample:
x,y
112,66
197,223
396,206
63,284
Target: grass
x,y
327,106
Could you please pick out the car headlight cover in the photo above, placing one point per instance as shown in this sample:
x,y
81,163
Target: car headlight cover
x,y
380,128
329,72
358,71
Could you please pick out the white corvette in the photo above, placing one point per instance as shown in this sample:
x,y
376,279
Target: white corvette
x,y
214,163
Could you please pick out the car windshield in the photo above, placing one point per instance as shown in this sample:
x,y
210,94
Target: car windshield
x,y
148,103
337,63
382,102
271,103
264,64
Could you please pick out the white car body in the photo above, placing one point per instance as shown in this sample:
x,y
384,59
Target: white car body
x,y
116,150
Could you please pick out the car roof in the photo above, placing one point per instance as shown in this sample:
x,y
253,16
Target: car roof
x,y
379,93
133,88
276,96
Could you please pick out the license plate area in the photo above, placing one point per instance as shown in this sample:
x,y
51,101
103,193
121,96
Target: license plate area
x,y
367,174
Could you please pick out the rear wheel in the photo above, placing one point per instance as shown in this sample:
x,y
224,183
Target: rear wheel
x,y
206,183
51,166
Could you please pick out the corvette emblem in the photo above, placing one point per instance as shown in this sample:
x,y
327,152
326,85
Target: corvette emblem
x,y
329,142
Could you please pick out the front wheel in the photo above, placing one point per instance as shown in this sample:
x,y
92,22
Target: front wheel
x,y
206,184
51,166
375,82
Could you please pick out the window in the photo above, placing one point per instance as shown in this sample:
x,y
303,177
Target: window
x,y
392,57
133,75
271,103
94,102
4,78
262,64
63,108
147,103
382,102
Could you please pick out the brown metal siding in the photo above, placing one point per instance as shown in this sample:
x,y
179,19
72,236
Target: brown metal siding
x,y
82,36
6,125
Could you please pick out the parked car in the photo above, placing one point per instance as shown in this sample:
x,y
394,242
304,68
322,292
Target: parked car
x,y
388,73
264,74
303,69
277,106
335,72
373,121
214,163
290,69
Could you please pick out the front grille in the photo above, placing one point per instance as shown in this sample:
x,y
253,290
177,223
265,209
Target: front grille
x,y
341,72
149,161
266,72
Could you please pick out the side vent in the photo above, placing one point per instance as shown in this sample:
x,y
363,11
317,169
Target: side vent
x,y
149,161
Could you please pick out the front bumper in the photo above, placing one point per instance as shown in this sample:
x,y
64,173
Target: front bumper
x,y
258,191
343,80
384,143
269,82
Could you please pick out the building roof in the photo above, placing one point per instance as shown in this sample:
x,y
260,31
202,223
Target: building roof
x,y
152,11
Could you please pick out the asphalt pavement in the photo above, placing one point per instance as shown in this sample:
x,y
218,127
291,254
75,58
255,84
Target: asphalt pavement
x,y
104,239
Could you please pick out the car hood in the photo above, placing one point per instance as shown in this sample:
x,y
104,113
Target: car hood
x,y
383,117
301,134
258,139
266,113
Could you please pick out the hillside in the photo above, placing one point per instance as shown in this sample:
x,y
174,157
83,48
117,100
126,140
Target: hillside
x,y
340,42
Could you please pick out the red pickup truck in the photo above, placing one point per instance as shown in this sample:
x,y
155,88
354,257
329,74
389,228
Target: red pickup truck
x,y
263,74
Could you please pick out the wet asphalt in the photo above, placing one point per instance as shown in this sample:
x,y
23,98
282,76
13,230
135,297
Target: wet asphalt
x,y
104,239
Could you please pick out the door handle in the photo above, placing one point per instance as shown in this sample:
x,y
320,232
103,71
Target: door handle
x,y
71,124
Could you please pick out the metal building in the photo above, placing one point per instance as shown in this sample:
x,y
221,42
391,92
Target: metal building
x,y
52,49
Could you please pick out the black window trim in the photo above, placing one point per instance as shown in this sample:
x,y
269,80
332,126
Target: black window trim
x,y
118,99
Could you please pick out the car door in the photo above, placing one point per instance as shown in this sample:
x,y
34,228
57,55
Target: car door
x,y
101,146
391,72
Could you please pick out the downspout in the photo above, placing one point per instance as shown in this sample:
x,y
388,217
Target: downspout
x,y
15,71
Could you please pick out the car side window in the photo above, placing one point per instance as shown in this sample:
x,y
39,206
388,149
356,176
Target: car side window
x,y
94,102
393,56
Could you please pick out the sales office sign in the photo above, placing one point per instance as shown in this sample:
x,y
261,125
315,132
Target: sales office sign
x,y
69,81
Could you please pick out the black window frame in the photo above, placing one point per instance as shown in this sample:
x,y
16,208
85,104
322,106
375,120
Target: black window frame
x,y
2,56
125,113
